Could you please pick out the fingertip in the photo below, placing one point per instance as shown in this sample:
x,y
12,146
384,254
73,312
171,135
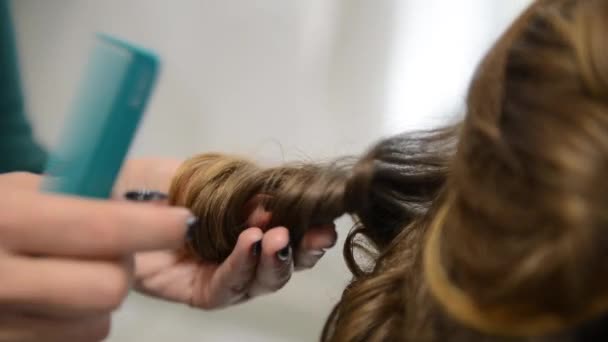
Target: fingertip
x,y
329,239
185,223
320,238
275,240
250,236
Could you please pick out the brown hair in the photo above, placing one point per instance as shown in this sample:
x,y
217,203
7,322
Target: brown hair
x,y
490,230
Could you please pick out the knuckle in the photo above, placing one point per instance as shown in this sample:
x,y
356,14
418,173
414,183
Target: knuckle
x,y
238,289
245,269
205,303
206,306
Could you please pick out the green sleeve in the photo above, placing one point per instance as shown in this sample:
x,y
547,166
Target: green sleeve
x,y
19,151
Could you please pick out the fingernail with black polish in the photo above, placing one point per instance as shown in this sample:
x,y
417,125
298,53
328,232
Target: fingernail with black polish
x,y
257,248
192,223
283,254
145,195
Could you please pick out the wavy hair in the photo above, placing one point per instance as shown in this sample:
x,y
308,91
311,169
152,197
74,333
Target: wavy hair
x,y
494,229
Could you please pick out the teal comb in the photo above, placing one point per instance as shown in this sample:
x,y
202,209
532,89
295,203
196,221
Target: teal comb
x,y
113,94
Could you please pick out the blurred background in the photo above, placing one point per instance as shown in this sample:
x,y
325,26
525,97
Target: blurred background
x,y
276,80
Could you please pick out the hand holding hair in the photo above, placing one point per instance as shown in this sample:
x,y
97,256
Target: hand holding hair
x,y
259,262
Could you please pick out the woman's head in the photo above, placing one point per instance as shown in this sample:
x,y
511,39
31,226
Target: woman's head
x,y
492,229
521,238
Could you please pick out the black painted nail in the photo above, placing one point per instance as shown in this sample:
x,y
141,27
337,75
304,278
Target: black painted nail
x,y
192,223
284,253
257,248
145,195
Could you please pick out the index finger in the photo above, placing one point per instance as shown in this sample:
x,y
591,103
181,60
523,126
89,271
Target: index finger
x,y
37,223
